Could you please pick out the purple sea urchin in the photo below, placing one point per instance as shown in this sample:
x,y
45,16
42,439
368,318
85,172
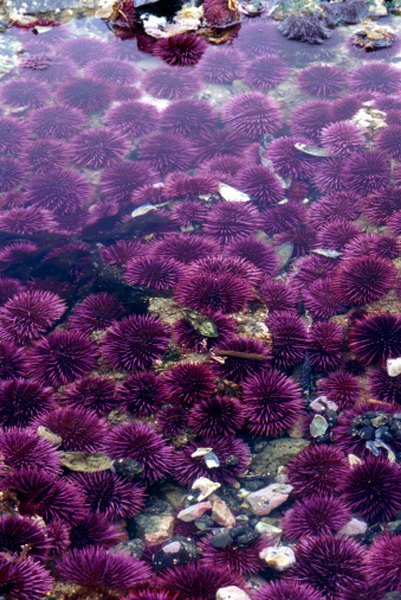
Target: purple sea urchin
x,y
376,78
119,181
94,393
62,191
45,155
140,442
62,357
110,495
342,138
11,174
170,84
113,71
373,489
21,94
221,65
79,429
94,568
166,152
188,117
214,293
382,564
332,565
340,387
153,272
197,581
12,136
367,172
320,300
243,357
189,383
315,516
22,448
288,160
97,148
255,251
96,311
89,95
83,50
142,393
272,403
322,80
376,338
24,579
317,470
26,316
364,279
135,342
237,558
326,343
309,118
261,184
286,590
181,50
22,400
133,118
265,72
56,122
20,535
186,333
217,416
252,115
290,339
229,221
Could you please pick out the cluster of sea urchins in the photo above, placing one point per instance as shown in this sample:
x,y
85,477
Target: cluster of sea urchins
x,y
172,299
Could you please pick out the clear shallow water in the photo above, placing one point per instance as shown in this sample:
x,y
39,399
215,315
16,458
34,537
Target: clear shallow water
x,y
233,226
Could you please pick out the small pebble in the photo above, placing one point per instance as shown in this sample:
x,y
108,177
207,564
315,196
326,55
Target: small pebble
x,y
231,592
206,487
264,501
194,512
279,558
393,366
221,514
354,527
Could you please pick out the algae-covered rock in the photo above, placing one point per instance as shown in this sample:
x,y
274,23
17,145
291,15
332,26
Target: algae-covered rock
x,y
275,454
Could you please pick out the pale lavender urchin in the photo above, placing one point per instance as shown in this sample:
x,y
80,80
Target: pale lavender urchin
x,y
252,115
98,148
342,138
57,122
133,118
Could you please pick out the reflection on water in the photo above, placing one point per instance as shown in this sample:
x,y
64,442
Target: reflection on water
x,y
199,255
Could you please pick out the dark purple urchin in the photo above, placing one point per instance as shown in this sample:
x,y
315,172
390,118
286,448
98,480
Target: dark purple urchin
x,y
290,338
140,442
24,579
376,338
23,448
340,387
322,80
252,115
329,175
98,148
216,417
113,71
372,489
346,107
317,470
284,217
233,457
13,361
9,287
214,293
153,272
25,316
62,191
95,530
26,221
261,184
186,332
319,299
388,140
272,403
220,65
243,356
180,50
342,138
132,118
43,494
185,248
45,155
15,252
230,221
383,566
93,393
96,311
83,50
12,136
62,357
152,193
257,38
119,181
255,251
221,264
314,516
189,117
337,234
24,94
22,400
109,495
394,224
171,84
98,570
287,590
326,342
22,536
265,72
277,295
309,118
223,167
11,174
197,581
189,383
79,429
375,78
332,565
364,279
166,152
219,142
342,205
381,205
171,421
366,173
120,252
240,556
180,186
142,393
135,342
56,122
290,162
89,95
383,387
